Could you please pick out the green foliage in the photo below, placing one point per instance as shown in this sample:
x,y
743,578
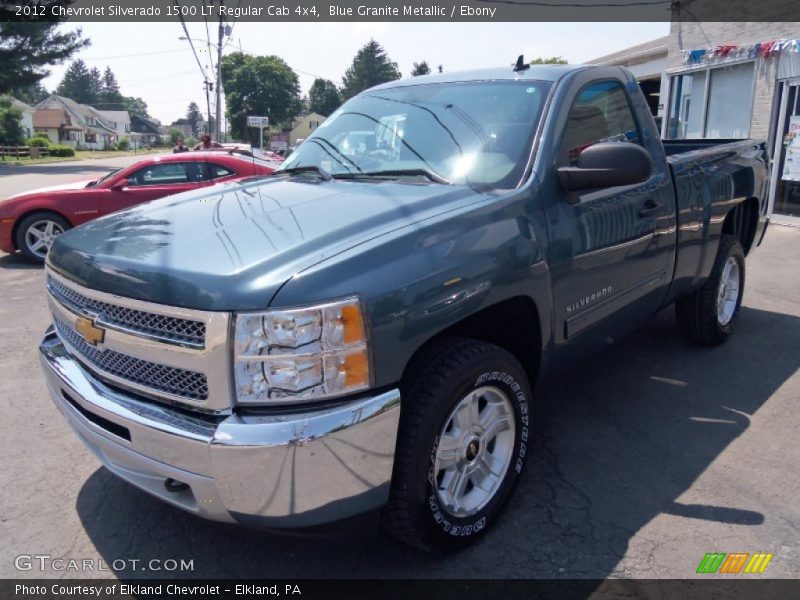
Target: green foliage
x,y
109,97
174,134
135,106
123,144
190,141
79,83
40,140
194,117
30,94
258,85
323,97
552,60
61,151
28,48
371,66
420,68
11,133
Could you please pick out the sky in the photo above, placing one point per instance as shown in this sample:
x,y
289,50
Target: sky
x,y
151,62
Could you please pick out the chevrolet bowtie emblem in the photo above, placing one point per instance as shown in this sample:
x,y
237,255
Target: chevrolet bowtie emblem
x,y
91,333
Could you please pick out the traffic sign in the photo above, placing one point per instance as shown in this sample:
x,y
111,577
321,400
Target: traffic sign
x,y
258,121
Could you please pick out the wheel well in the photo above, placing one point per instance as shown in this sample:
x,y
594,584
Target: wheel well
x,y
741,222
37,211
512,324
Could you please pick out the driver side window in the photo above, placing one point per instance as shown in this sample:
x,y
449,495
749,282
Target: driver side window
x,y
161,174
600,113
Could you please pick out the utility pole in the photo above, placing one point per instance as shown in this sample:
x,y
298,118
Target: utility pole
x,y
208,86
218,124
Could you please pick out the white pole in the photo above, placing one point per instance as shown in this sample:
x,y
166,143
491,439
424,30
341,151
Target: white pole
x,y
261,143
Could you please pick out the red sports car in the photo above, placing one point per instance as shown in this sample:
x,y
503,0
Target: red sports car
x,y
30,221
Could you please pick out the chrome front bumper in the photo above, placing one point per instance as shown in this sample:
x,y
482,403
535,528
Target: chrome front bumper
x,y
285,470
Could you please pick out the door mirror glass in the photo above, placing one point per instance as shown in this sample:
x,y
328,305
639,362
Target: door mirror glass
x,y
607,164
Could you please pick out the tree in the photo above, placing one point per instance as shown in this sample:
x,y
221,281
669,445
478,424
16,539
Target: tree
x,y
79,83
174,134
194,116
11,133
323,97
30,94
258,85
552,60
135,106
27,49
420,68
110,98
371,66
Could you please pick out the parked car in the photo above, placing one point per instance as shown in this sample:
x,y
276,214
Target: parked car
x,y
30,221
369,330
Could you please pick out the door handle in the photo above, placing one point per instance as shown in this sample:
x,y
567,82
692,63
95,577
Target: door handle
x,y
651,207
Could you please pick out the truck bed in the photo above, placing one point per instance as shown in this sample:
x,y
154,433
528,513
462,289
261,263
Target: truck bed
x,y
673,147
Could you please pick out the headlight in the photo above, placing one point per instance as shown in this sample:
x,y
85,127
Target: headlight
x,y
284,356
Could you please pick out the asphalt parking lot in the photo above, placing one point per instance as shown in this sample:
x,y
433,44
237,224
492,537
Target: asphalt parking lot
x,y
643,460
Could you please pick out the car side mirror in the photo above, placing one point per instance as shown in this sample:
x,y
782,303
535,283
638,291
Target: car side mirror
x,y
608,164
120,185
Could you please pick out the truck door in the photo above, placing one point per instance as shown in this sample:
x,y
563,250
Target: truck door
x,y
610,249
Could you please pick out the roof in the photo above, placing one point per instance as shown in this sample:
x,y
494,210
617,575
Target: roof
x,y
637,53
82,111
21,105
120,116
49,118
535,73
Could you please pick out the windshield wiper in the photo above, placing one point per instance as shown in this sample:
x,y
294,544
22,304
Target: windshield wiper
x,y
322,173
390,173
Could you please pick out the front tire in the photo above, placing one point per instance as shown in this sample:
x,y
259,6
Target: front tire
x,y
461,446
36,233
707,315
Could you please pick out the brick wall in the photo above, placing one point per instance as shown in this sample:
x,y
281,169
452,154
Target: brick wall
x,y
692,35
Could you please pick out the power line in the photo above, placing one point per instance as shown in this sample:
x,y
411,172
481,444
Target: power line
x,y
184,49
189,39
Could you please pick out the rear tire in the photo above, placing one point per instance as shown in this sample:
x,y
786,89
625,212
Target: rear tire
x,y
707,316
461,445
36,233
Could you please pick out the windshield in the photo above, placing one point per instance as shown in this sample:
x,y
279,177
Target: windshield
x,y
475,133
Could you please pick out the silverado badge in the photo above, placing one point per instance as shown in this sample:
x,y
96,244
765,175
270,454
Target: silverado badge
x,y
91,333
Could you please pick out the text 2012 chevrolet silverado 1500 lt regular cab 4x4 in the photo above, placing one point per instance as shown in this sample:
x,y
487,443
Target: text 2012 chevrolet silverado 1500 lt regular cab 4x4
x,y
364,328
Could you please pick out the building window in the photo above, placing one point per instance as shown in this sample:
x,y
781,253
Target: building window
x,y
712,103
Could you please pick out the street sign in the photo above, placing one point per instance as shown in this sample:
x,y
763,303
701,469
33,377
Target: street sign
x,y
258,121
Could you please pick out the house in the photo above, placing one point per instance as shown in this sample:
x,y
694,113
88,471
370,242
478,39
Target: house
x,y
303,125
648,62
89,127
730,79
53,123
149,128
27,116
120,121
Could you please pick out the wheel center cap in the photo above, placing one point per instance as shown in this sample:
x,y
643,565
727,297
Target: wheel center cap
x,y
471,452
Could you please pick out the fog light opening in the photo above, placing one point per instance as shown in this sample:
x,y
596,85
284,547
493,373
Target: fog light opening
x,y
174,486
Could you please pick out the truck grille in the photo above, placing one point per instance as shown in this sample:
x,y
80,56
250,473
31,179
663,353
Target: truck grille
x,y
170,330
170,380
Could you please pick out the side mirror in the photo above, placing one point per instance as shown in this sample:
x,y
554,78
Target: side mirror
x,y
608,164
120,185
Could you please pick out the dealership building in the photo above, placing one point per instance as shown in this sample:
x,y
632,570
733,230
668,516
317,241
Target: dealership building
x,y
728,80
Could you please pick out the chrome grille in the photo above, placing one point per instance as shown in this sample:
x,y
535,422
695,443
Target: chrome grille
x,y
170,380
161,327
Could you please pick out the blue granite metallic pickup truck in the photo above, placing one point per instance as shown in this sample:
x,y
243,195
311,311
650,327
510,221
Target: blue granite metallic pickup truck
x,y
368,327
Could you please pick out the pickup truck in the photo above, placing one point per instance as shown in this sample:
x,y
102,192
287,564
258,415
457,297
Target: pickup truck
x,y
368,327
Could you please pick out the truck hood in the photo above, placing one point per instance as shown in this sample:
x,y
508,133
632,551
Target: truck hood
x,y
232,246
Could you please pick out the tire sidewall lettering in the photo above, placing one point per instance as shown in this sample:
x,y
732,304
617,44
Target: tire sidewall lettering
x,y
457,527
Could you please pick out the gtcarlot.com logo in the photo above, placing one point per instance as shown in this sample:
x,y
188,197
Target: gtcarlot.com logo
x,y
45,562
734,563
